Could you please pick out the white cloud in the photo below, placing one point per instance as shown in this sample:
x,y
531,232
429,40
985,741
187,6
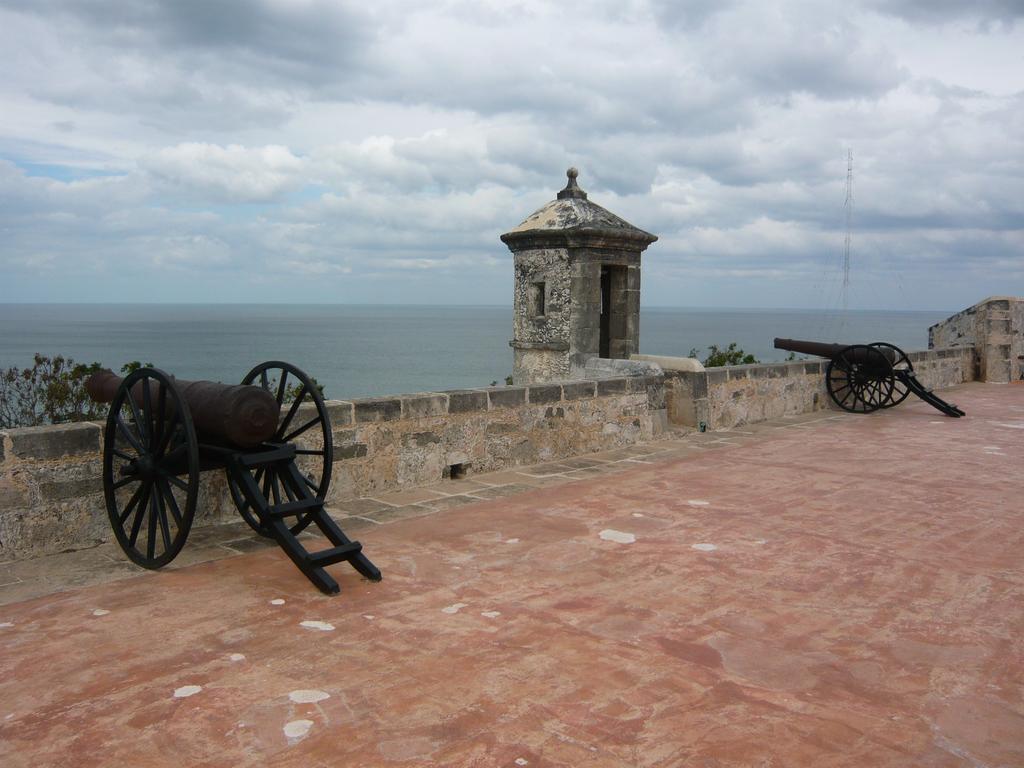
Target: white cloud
x,y
233,173
332,142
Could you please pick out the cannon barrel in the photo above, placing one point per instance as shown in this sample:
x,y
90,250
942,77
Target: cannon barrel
x,y
861,354
243,415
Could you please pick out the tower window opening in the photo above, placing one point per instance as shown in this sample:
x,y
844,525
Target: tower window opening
x,y
537,299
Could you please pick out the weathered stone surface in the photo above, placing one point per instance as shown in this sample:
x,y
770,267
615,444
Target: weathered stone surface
x,y
340,412
574,390
421,439
55,441
507,397
560,255
349,451
70,489
994,328
46,506
422,405
544,393
717,377
467,400
377,409
611,387
739,395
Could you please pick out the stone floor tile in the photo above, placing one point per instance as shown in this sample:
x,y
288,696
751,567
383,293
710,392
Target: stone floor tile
x,y
359,506
410,496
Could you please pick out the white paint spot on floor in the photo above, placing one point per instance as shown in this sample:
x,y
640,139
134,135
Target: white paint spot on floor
x,y
308,697
454,608
617,536
277,601
100,612
704,547
759,542
522,761
5,624
936,422
490,614
237,657
698,503
369,616
1014,425
637,514
323,626
187,690
511,541
297,729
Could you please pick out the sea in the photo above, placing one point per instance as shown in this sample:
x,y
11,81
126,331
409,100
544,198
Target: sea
x,y
368,350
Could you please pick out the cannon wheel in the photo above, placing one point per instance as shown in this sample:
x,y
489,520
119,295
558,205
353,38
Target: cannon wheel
x,y
852,387
900,362
293,389
150,468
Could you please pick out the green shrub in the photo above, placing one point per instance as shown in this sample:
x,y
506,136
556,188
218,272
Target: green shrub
x,y
729,356
52,391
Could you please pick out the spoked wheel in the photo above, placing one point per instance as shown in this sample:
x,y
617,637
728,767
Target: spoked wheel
x,y
304,421
900,362
150,468
859,379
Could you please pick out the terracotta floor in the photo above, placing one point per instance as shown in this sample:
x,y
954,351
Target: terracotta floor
x,y
842,592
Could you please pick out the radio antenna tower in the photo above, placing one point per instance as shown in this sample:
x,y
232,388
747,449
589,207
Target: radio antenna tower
x,y
848,205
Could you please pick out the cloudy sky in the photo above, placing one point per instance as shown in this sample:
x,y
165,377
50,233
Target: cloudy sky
x,y
331,151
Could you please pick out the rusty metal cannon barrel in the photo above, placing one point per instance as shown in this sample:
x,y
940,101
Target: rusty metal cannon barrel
x,y
242,415
862,354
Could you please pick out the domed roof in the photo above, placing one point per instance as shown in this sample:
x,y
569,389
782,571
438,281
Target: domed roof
x,y
572,219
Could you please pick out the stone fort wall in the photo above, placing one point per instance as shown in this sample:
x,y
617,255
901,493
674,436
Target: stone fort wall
x,y
724,398
51,491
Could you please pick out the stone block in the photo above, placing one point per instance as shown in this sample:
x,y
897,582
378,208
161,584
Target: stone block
x,y
424,405
576,390
13,497
340,412
422,439
717,377
378,409
502,428
656,399
467,400
55,441
507,397
795,369
544,393
815,369
349,451
61,490
611,387
738,372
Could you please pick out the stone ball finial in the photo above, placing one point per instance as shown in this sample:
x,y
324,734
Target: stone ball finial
x,y
572,189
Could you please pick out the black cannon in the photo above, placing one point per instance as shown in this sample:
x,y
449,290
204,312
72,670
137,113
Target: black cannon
x,y
272,436
862,378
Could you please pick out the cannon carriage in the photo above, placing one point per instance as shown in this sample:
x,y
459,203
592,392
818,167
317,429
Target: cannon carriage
x,y
863,378
271,435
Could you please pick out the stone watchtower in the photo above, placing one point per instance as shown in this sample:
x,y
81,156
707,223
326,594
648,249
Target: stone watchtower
x,y
577,287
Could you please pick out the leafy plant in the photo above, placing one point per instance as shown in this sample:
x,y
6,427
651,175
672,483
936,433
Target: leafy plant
x,y
52,391
731,355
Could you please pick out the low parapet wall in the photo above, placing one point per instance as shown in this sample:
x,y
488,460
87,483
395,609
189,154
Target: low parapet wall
x,y
51,494
995,328
723,398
